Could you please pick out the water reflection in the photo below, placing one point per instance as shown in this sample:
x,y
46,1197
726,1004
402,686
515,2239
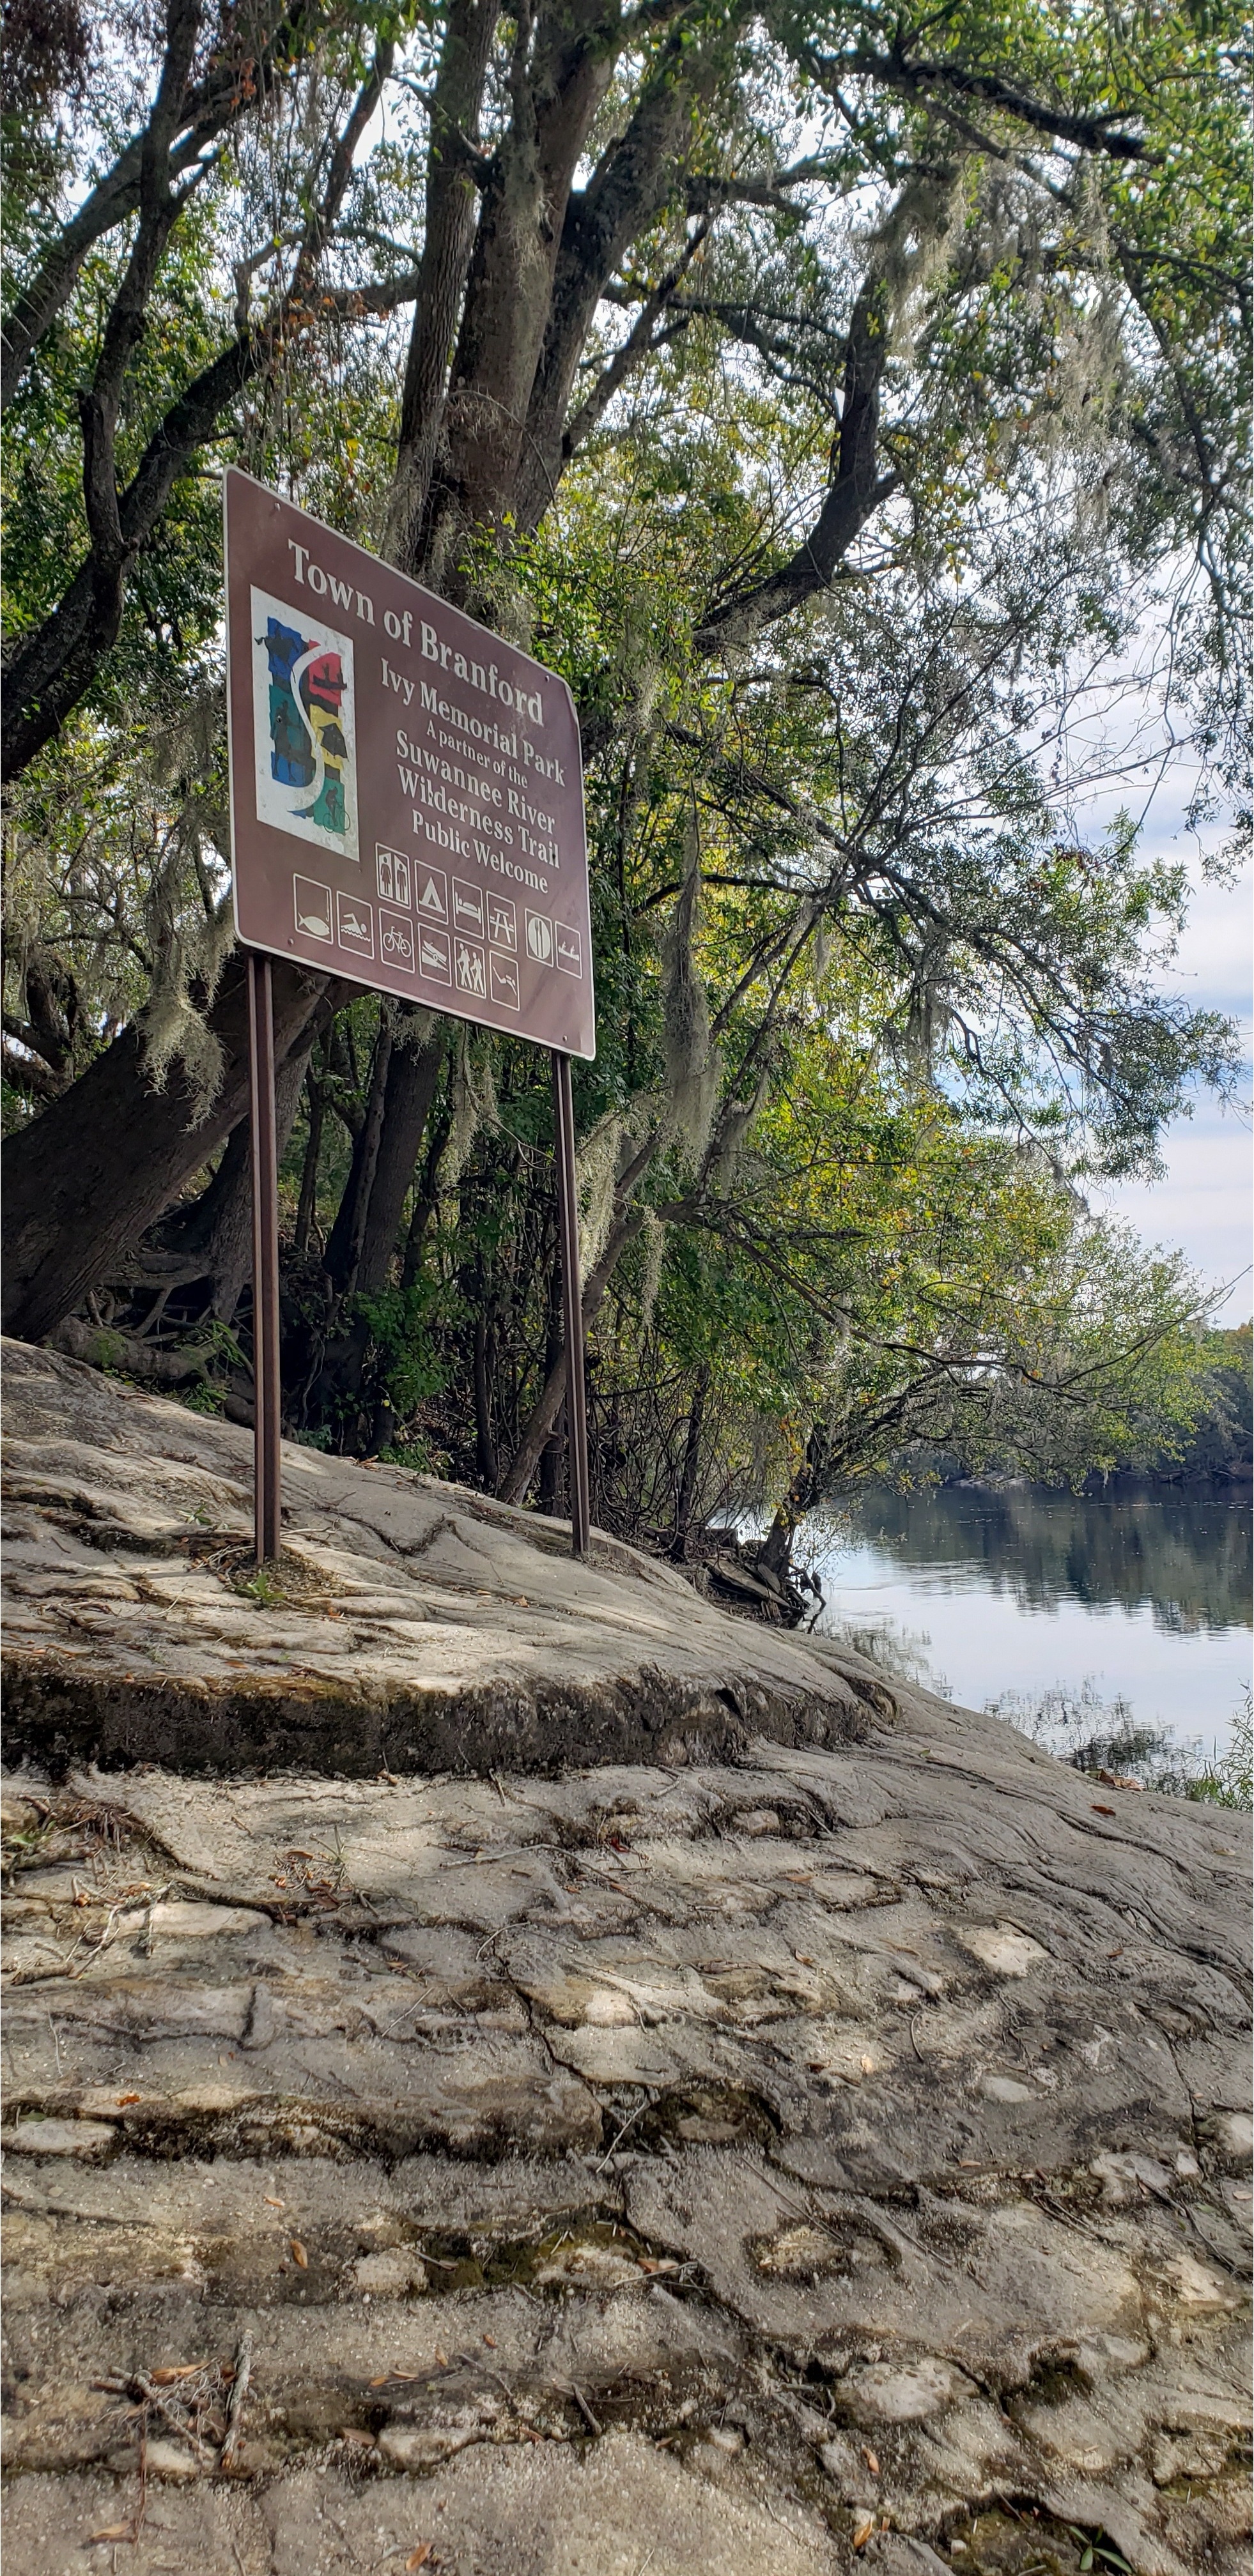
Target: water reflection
x,y
1140,1595
1187,1556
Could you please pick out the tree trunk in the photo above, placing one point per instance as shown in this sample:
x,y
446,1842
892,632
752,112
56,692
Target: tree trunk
x,y
363,1239
551,1454
412,1077
526,1458
688,1473
485,1447
343,1254
775,1554
85,1180
428,1194
231,1242
307,1204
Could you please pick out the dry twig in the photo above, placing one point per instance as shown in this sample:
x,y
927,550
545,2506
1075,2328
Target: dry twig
x,y
235,2402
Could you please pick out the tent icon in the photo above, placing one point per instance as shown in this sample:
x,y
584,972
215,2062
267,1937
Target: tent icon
x,y
433,893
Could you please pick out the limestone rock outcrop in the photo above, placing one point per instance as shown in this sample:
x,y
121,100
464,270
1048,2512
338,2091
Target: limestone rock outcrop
x,y
823,2141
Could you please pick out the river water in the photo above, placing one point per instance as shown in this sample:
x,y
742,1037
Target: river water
x,y
1142,1594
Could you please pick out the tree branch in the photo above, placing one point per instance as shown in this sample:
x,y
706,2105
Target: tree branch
x,y
1092,133
48,670
639,344
230,90
856,490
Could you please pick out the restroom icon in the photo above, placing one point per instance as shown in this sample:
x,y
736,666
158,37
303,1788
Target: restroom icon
x,y
392,873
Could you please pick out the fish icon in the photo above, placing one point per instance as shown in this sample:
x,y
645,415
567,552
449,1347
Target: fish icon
x,y
312,903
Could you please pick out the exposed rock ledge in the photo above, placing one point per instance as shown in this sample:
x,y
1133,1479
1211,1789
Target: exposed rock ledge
x,y
769,2160
416,1625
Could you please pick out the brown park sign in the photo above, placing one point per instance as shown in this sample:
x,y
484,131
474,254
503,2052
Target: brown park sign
x,y
406,789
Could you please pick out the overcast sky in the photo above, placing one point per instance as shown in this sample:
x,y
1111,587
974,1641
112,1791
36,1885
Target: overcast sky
x,y
1206,1201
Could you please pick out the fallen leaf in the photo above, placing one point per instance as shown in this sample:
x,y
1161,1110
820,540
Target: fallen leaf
x,y
123,2099
272,2203
113,2531
871,2461
864,2531
800,1877
1102,1811
441,2363
418,2557
382,2380
490,2341
299,2256
1115,1954
520,1601
184,2370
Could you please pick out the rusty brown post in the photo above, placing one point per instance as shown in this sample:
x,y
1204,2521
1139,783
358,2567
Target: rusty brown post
x,y
267,1453
576,1388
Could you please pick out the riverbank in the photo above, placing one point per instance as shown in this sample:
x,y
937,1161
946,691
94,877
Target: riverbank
x,y
818,2138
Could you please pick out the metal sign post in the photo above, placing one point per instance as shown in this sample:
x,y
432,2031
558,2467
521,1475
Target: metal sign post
x,y
572,1292
406,814
267,1450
